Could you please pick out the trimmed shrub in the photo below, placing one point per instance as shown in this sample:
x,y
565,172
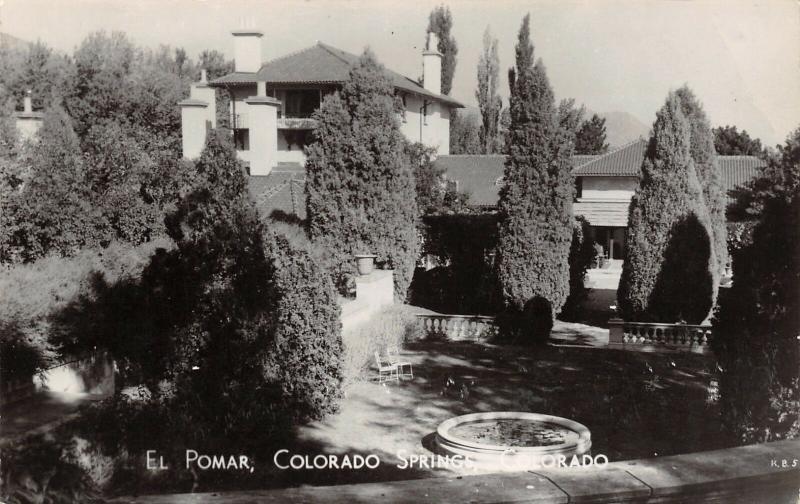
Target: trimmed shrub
x,y
307,349
581,255
669,268
756,326
701,140
535,207
360,190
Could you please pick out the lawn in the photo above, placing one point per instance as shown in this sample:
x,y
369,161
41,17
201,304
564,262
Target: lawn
x,y
636,405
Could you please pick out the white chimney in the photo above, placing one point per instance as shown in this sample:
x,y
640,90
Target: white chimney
x,y
26,102
432,65
247,50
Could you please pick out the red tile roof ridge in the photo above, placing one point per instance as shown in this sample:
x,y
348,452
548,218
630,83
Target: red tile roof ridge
x,y
285,56
333,51
610,152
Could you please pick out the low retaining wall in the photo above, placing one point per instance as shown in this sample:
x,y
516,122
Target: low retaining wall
x,y
765,473
652,337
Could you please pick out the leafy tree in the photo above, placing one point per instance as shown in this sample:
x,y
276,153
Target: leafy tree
x,y
116,170
535,206
38,69
429,178
102,88
360,191
464,133
728,141
440,22
705,162
53,212
591,137
668,271
489,101
570,116
756,327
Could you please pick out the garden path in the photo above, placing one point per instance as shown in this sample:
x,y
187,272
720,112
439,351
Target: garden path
x,y
40,413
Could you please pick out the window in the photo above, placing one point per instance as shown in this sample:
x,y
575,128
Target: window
x,y
241,139
301,102
578,187
425,113
405,106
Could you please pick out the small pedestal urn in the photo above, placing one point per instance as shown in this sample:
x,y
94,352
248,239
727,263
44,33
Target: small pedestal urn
x,y
365,263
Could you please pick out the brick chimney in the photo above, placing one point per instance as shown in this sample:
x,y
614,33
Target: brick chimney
x,y
432,65
247,50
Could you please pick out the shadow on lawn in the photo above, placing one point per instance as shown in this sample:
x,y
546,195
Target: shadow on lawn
x,y
636,405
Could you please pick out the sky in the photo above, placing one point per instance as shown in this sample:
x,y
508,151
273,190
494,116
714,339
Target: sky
x,y
741,57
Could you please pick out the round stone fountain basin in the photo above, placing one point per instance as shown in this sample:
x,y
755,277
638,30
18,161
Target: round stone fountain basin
x,y
494,438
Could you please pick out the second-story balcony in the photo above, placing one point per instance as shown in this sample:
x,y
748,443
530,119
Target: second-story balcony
x,y
240,120
296,123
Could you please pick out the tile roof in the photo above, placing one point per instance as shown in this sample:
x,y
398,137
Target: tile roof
x,y
479,175
235,78
624,161
281,190
321,64
476,175
736,171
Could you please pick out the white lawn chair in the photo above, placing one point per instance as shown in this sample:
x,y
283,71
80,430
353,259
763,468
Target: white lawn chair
x,y
404,368
386,370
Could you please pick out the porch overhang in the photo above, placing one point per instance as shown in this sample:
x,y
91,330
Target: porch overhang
x,y
603,213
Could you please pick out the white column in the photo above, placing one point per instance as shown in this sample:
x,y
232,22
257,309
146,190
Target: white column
x,y
203,92
194,125
247,50
432,66
262,113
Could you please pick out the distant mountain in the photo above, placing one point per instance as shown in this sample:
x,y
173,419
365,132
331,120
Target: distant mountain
x,y
622,127
10,42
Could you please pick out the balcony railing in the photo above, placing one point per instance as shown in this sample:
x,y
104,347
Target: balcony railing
x,y
296,123
240,121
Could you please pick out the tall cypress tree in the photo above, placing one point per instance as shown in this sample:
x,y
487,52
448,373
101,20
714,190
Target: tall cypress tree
x,y
535,207
489,101
668,271
440,22
360,191
705,162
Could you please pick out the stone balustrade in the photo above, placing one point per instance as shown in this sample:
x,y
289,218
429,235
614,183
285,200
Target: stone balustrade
x,y
457,327
646,336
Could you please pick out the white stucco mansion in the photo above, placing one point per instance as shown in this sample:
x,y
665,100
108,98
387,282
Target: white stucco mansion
x,y
272,103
